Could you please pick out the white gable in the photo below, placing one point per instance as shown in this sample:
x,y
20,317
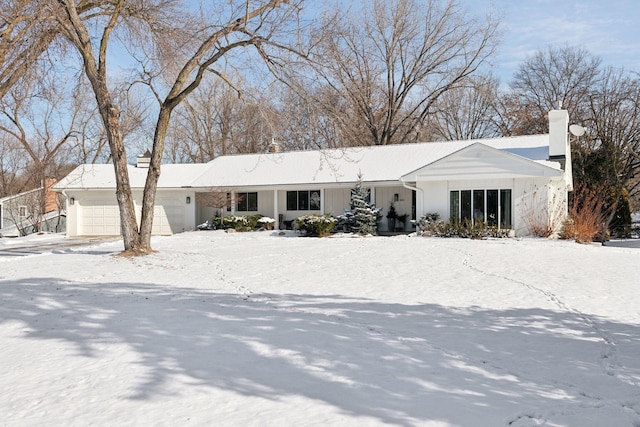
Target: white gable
x,y
479,161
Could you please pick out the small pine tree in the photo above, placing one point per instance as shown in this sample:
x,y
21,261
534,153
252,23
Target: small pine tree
x,y
364,214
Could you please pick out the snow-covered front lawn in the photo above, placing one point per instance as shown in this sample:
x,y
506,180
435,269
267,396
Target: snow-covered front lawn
x,y
255,329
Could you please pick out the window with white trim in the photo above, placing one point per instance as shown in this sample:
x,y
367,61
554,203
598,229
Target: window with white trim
x,y
492,207
22,211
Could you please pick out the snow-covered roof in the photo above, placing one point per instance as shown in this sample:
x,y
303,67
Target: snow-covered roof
x,y
376,164
15,196
102,176
335,166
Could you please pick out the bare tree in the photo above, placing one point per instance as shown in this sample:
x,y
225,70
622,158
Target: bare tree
x,y
553,78
466,112
33,117
184,51
605,101
391,61
612,157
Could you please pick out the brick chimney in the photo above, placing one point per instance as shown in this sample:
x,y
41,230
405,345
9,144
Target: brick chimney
x,y
50,197
144,160
274,147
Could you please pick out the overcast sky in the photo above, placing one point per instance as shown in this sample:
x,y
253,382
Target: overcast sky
x,y
609,29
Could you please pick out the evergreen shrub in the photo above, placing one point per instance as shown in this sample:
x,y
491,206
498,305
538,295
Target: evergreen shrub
x,y
316,225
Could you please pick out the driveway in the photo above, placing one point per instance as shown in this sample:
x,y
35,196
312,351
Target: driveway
x,y
627,243
24,247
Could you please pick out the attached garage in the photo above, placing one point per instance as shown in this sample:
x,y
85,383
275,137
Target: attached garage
x,y
92,208
168,216
98,218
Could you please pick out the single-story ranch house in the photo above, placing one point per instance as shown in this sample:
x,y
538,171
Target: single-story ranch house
x,y
490,180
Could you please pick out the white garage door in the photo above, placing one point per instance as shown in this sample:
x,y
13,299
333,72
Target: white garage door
x,y
99,219
168,217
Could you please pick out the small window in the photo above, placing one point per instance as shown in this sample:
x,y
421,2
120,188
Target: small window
x,y
505,208
303,200
22,211
478,206
465,202
247,202
492,207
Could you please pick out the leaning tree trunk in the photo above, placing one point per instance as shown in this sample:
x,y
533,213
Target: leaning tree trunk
x,y
153,175
128,224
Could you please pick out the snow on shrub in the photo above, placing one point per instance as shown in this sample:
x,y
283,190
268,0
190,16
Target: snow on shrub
x,y
266,222
316,225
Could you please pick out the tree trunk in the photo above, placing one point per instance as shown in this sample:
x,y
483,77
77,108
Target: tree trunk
x,y
153,175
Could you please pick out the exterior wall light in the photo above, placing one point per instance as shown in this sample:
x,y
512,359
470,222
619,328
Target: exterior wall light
x,y
188,200
72,201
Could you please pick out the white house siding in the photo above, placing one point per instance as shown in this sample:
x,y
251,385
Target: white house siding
x,y
384,196
289,215
265,207
336,200
542,193
546,196
265,203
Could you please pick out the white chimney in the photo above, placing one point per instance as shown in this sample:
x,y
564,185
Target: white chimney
x,y
559,147
144,160
559,136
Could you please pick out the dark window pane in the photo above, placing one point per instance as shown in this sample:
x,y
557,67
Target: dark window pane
x,y
478,206
292,200
303,200
465,205
241,202
505,208
252,202
314,200
492,207
454,206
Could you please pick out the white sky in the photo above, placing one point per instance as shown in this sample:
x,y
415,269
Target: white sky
x,y
607,28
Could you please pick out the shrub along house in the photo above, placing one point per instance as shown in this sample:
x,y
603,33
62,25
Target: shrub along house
x,y
488,180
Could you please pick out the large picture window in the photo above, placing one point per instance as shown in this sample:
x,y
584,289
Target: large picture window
x,y
247,202
306,200
492,207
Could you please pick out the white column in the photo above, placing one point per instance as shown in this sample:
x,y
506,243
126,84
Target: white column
x,y
276,211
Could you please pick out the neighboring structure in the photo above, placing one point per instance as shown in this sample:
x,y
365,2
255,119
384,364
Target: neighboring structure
x,y
31,211
497,181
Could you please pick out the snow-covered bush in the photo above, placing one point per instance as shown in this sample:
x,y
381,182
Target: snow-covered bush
x,y
430,224
266,222
237,222
427,222
346,221
316,225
